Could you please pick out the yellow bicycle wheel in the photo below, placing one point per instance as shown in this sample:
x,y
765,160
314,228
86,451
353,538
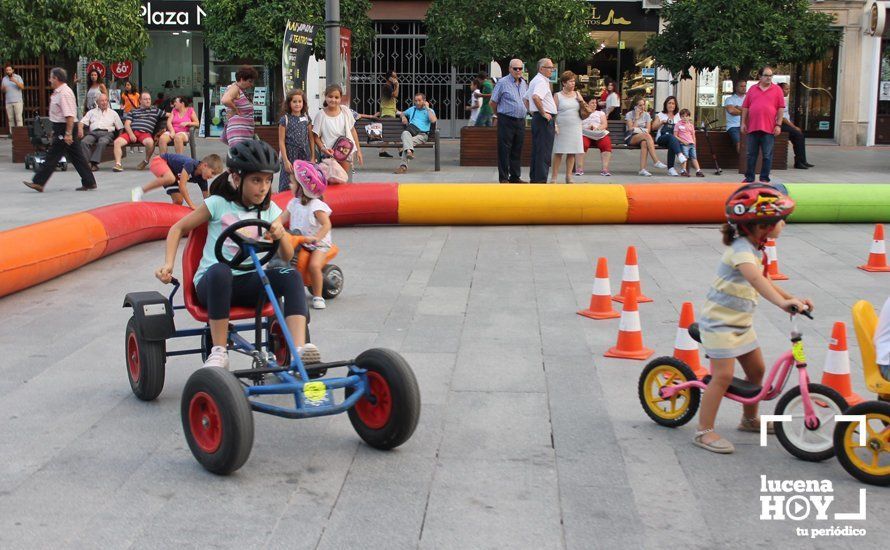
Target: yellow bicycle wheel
x,y
869,463
679,408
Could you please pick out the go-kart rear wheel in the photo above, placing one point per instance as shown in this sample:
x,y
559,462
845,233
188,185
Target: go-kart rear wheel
x,y
679,409
386,417
217,420
145,363
871,463
333,282
813,445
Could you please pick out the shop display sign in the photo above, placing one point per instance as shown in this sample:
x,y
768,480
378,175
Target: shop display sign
x,y
648,72
259,96
824,125
96,66
345,60
626,16
172,15
296,48
885,90
707,88
121,69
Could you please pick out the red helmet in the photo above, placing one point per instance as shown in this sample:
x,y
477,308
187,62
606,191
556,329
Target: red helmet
x,y
758,203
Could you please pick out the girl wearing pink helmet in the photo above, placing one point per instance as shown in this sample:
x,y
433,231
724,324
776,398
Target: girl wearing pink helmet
x,y
308,213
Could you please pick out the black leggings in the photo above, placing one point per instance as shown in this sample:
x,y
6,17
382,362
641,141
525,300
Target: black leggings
x,y
218,290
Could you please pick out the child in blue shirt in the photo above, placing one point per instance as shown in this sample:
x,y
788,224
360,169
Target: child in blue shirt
x,y
244,193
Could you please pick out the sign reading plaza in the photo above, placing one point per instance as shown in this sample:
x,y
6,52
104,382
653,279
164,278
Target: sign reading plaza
x,y
172,15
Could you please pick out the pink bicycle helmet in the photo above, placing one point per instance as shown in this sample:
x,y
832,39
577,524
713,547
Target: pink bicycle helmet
x,y
310,178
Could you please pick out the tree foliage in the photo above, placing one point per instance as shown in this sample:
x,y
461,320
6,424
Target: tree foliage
x,y
251,29
466,32
102,29
739,35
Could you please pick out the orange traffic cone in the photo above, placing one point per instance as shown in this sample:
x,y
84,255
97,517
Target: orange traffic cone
x,y
772,259
836,373
631,278
601,299
630,334
685,348
877,256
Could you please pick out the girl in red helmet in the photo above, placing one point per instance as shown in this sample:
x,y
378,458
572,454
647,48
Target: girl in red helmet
x,y
753,212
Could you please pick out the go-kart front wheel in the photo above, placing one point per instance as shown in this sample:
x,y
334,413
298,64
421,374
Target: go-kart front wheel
x,y
811,444
145,363
677,410
388,415
871,463
217,420
332,285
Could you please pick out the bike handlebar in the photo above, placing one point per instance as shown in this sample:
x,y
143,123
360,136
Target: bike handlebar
x,y
805,313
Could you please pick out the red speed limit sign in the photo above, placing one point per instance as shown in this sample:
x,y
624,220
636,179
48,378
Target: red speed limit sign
x,y
96,66
122,69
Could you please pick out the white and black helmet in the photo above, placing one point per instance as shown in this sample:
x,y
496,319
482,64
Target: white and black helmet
x,y
252,156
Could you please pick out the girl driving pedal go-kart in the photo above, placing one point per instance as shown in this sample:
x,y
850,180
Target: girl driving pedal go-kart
x,y
245,192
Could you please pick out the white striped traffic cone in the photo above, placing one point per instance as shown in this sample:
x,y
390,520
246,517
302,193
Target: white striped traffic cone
x,y
836,373
601,299
877,256
772,259
685,348
631,278
630,333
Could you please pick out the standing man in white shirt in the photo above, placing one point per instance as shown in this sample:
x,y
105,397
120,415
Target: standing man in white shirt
x,y
543,110
101,123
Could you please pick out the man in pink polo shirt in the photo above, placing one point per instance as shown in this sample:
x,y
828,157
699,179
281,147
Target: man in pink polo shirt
x,y
762,113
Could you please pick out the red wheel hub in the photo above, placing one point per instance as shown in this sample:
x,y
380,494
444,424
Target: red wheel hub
x,y
133,357
205,422
375,415
279,344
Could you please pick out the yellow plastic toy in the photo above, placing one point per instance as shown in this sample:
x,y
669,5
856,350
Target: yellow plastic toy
x,y
869,463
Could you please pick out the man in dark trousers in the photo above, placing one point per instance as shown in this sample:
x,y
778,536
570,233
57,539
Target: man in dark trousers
x,y
509,103
795,134
62,112
543,110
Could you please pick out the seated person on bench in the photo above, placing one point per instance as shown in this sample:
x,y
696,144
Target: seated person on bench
x,y
882,341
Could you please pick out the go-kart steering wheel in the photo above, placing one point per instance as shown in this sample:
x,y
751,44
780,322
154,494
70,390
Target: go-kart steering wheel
x,y
241,260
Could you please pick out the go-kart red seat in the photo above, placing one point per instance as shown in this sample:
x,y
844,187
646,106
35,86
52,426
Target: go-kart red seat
x,y
191,257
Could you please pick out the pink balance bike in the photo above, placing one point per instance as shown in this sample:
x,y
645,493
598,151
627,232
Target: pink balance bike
x,y
670,394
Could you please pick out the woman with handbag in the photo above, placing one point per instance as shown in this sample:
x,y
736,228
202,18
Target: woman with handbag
x,y
569,112
333,130
664,123
595,133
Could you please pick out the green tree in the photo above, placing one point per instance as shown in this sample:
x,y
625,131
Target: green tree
x,y
251,29
66,30
466,32
739,35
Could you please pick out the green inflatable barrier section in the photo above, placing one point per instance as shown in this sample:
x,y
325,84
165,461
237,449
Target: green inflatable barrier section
x,y
840,202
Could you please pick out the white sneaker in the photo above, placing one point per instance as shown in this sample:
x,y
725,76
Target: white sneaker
x,y
681,158
309,354
219,357
136,194
318,302
673,172
646,173
660,164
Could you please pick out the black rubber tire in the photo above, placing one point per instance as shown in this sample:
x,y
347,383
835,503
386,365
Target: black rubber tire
x,y
404,393
332,286
694,393
236,419
151,357
867,407
815,389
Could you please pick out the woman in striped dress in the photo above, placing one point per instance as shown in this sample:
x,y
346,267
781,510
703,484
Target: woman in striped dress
x,y
239,121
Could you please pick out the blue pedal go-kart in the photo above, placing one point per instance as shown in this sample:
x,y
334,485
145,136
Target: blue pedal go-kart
x,y
380,396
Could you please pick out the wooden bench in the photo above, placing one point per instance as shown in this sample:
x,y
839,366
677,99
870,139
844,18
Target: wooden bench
x,y
22,146
479,146
392,136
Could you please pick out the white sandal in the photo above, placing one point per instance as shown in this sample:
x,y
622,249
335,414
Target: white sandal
x,y
720,446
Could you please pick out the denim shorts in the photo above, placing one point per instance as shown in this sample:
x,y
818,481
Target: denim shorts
x,y
689,151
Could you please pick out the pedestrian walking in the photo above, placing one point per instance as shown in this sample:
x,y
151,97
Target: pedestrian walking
x,y
762,115
568,126
543,109
733,107
508,100
239,121
475,101
62,112
12,86
484,118
101,123
795,134
294,129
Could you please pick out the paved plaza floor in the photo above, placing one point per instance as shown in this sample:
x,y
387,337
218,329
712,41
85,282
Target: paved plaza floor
x,y
528,437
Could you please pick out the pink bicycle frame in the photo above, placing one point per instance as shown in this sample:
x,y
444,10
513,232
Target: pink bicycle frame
x,y
769,391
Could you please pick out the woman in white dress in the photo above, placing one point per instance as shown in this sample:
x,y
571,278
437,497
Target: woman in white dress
x,y
568,140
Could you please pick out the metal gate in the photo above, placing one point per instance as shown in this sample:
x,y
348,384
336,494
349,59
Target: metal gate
x,y
399,46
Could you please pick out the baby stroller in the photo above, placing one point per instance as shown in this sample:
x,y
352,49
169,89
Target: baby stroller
x,y
41,133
